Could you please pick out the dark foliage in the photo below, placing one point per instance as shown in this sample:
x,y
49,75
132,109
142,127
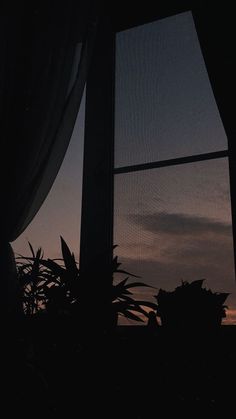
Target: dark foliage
x,y
191,306
53,286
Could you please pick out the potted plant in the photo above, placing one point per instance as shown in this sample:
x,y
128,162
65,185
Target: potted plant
x,y
52,286
190,306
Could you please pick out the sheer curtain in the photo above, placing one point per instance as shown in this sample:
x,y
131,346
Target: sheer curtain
x,y
45,51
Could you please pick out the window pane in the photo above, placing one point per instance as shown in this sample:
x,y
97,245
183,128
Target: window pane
x,y
61,211
174,224
164,104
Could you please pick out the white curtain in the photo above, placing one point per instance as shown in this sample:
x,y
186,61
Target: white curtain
x,y
45,54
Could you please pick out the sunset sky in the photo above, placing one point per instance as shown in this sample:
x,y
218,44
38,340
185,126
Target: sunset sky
x,y
172,223
60,214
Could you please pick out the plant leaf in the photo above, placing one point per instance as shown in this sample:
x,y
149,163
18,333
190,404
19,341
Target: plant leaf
x,y
132,316
121,271
138,284
31,248
69,259
56,269
147,304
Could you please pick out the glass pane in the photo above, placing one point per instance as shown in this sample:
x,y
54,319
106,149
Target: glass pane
x,y
174,224
164,104
60,214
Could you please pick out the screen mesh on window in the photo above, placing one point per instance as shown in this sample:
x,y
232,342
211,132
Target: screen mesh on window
x,y
173,224
164,104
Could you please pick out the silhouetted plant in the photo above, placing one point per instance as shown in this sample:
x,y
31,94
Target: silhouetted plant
x,y
33,278
190,305
54,285
122,298
63,291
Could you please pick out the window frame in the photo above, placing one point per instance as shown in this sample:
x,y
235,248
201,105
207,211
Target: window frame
x,y
96,246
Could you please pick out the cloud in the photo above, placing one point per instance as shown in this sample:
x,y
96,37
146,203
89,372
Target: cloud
x,y
218,278
202,251
169,248
179,224
164,274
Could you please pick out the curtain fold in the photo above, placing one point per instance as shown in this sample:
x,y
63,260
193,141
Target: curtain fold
x,y
45,53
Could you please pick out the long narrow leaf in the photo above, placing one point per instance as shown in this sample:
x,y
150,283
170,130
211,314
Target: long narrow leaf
x,y
138,284
69,259
147,304
31,248
132,316
121,271
56,269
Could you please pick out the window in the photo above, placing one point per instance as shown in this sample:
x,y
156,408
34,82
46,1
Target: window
x,y
172,214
